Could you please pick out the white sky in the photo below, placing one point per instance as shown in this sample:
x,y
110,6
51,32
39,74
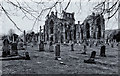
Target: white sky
x,y
25,24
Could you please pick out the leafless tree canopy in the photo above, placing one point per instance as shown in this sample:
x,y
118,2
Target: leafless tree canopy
x,y
36,14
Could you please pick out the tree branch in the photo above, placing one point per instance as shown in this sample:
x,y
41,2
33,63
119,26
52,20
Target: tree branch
x,y
10,18
67,5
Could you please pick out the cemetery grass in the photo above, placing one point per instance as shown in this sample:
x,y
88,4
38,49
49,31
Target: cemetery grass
x,y
45,63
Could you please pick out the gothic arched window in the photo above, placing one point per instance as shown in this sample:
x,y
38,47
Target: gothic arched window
x,y
51,26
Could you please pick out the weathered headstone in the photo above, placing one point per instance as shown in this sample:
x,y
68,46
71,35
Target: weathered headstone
x,y
14,49
102,51
50,47
20,45
5,48
93,54
91,59
27,57
41,46
72,47
57,51
84,49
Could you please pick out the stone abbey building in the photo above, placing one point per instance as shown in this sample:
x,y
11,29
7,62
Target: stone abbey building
x,y
64,29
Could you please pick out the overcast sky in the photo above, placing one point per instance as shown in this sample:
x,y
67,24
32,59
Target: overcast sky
x,y
26,24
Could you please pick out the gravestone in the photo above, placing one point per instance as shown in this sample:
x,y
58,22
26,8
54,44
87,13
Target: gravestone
x,y
5,48
24,37
72,47
84,49
41,46
14,49
27,57
93,54
57,51
112,45
91,59
50,47
102,51
20,45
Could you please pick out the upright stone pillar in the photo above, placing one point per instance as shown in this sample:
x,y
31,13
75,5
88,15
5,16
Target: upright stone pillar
x,y
40,34
57,51
41,43
41,46
72,47
51,46
24,37
13,38
44,34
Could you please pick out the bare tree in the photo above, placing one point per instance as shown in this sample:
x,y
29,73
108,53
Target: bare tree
x,y
36,14
29,12
104,8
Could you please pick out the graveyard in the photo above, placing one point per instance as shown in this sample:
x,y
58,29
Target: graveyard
x,y
70,62
58,37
